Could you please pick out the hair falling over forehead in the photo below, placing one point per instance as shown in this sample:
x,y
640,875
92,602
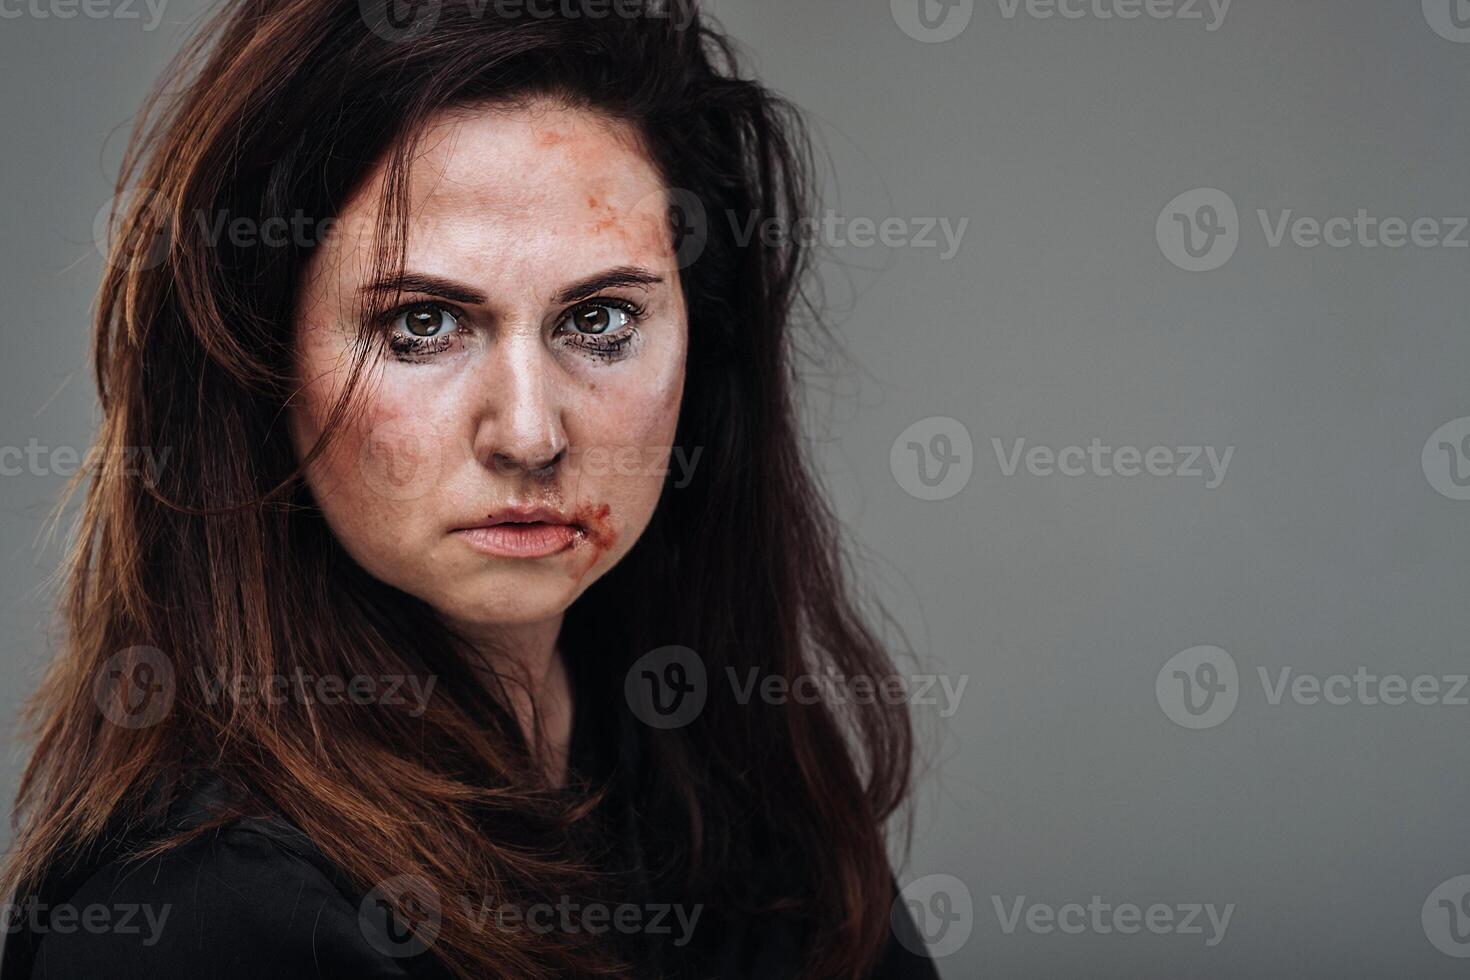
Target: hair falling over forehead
x,y
281,107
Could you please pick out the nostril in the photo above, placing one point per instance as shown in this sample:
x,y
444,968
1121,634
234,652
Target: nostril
x,y
549,463
506,463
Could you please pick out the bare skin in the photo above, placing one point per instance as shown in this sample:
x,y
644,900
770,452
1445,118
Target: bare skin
x,y
532,394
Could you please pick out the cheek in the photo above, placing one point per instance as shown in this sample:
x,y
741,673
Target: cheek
x,y
622,431
375,480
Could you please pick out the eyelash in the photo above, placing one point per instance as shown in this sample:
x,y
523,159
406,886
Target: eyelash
x,y
416,350
608,346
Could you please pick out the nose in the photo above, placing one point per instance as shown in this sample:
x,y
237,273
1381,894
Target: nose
x,y
518,424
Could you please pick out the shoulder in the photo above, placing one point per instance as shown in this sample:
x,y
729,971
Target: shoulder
x,y
251,899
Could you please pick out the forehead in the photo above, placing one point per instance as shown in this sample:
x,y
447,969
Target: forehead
x,y
541,190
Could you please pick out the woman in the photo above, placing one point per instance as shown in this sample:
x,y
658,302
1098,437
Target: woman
x,y
443,643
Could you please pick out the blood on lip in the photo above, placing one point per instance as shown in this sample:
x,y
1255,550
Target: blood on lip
x,y
598,535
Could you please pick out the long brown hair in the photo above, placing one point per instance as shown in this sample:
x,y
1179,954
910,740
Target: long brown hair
x,y
221,562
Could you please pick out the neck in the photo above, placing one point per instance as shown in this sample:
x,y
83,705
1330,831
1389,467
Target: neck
x,y
527,660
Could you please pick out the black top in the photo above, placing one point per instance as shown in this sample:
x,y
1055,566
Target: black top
x,y
257,900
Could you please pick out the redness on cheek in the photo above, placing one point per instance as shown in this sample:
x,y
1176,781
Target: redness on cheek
x,y
596,520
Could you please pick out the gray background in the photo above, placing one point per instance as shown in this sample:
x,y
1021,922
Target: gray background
x,y
1326,548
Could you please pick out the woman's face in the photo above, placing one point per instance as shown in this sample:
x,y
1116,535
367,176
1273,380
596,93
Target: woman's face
x,y
516,429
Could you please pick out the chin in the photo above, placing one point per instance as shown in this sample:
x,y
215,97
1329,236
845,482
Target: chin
x,y
503,597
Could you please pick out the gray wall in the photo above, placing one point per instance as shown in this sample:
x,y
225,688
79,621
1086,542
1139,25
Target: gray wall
x,y
1076,764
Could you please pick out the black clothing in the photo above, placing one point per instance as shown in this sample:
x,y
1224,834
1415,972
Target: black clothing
x,y
257,900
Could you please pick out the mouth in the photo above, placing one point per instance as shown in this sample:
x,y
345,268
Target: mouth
x,y
522,533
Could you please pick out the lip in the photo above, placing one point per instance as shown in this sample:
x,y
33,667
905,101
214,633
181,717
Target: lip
x,y
522,532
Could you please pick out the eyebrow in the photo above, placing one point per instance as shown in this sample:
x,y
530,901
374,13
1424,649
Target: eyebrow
x,y
418,282
623,275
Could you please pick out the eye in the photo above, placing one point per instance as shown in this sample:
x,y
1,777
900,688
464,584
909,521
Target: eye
x,y
599,318
605,328
426,321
